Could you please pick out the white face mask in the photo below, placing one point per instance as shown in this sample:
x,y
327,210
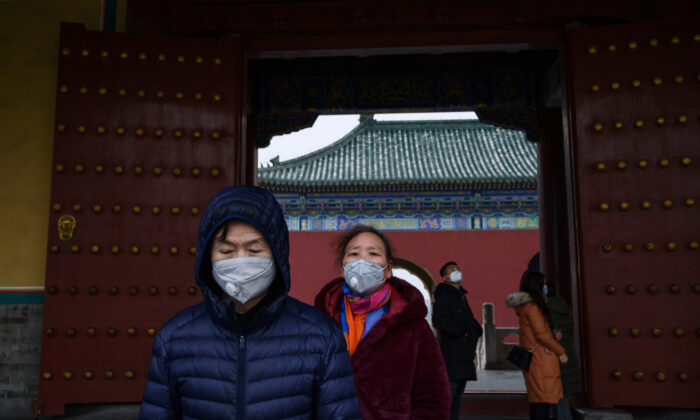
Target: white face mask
x,y
455,276
244,278
363,275
545,290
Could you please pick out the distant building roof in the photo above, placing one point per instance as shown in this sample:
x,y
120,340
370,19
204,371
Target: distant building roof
x,y
418,156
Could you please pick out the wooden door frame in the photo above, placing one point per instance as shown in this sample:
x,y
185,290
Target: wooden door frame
x,y
552,122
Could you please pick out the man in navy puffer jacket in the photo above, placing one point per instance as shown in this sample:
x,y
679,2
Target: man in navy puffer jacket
x,y
248,351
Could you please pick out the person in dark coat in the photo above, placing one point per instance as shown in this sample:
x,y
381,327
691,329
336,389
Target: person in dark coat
x,y
396,362
248,351
459,332
563,326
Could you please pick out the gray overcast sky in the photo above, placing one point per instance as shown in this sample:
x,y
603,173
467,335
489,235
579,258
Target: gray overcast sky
x,y
330,128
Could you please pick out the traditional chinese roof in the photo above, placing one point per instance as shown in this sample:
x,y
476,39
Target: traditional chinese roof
x,y
411,155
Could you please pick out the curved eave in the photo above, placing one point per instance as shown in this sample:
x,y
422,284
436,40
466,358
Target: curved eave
x,y
297,188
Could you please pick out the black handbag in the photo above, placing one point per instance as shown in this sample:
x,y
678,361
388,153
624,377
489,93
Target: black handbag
x,y
520,357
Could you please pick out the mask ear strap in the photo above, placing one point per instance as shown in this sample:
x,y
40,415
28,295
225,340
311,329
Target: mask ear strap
x,y
392,269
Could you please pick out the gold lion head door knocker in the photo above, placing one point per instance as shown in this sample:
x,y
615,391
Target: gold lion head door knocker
x,y
66,226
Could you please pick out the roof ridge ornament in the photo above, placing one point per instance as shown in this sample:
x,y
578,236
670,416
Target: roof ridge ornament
x,y
366,118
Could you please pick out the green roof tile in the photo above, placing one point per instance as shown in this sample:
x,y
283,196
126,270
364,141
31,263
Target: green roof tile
x,y
412,155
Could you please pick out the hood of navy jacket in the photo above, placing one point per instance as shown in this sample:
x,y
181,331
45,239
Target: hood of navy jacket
x,y
258,207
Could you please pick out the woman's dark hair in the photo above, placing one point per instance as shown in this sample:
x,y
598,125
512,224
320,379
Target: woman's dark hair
x,y
534,264
532,283
342,242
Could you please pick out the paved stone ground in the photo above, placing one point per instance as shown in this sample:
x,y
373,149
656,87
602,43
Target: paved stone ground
x,y
130,412
491,383
497,381
99,412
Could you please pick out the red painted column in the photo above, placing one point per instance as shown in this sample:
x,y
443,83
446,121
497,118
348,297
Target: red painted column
x,y
551,192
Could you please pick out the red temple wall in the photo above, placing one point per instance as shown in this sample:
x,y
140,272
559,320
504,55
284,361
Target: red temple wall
x,y
492,261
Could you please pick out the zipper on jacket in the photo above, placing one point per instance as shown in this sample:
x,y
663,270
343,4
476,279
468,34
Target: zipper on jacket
x,y
240,404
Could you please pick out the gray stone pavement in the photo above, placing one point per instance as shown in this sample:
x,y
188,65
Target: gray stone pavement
x,y
497,381
490,384
99,412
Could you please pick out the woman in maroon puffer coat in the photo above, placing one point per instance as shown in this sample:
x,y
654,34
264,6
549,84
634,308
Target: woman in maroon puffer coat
x,y
397,366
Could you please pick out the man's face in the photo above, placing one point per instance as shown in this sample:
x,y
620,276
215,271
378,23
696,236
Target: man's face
x,y
449,269
241,240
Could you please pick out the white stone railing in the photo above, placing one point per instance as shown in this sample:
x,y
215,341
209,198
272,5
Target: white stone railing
x,y
492,351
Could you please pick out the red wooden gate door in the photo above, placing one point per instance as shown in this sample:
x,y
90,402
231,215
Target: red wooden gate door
x,y
634,97
147,130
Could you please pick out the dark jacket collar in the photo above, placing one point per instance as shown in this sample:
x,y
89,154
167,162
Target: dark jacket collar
x,y
446,288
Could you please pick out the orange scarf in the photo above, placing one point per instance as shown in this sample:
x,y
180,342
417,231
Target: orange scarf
x,y
356,326
360,313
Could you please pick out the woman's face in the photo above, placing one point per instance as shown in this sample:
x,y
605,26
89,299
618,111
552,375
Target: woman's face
x,y
367,246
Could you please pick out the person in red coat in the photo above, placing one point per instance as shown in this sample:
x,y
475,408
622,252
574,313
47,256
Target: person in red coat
x,y
398,369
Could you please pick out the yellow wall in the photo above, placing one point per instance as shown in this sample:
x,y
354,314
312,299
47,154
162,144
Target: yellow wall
x,y
29,35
